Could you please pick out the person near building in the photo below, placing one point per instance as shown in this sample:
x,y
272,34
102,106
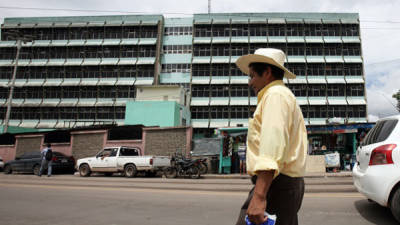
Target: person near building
x,y
242,158
276,141
47,155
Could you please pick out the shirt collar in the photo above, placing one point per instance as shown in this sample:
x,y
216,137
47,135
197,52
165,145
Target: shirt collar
x,y
262,92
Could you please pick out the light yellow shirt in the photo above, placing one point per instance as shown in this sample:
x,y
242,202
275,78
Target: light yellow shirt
x,y
277,136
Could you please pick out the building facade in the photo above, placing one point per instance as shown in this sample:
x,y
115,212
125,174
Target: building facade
x,y
81,70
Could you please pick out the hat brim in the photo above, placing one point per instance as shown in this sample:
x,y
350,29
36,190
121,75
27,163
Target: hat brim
x,y
244,61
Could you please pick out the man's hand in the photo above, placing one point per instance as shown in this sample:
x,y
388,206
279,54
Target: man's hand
x,y
258,202
256,209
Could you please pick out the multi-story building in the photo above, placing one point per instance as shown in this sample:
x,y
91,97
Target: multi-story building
x,y
83,69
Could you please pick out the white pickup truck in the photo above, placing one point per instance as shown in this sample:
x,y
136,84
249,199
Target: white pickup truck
x,y
121,159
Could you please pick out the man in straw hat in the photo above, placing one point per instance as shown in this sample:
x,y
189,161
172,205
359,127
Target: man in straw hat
x,y
276,141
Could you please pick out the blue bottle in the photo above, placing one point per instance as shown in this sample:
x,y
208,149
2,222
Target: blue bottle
x,y
270,221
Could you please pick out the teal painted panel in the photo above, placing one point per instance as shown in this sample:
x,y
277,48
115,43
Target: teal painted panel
x,y
152,113
174,78
178,22
178,40
176,58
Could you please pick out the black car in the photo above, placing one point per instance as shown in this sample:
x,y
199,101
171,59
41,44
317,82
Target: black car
x,y
30,163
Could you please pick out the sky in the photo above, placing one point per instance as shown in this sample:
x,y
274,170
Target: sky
x,y
379,21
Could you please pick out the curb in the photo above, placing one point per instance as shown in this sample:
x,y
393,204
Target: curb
x,y
310,175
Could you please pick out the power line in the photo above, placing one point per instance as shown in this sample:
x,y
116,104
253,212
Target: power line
x,y
177,13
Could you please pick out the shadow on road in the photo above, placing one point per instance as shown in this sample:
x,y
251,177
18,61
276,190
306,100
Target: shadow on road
x,y
375,213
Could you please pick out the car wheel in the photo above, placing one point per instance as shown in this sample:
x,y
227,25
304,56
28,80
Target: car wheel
x,y
395,204
84,170
130,170
7,169
36,170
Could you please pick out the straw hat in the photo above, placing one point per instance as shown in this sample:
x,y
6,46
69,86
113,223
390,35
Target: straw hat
x,y
272,56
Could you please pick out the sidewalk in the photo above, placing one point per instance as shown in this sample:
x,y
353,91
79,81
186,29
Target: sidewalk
x,y
308,175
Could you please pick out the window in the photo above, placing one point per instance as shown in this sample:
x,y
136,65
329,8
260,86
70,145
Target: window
x,y
351,49
175,68
240,112
314,50
220,69
239,91
335,90
336,111
380,131
175,31
220,30
108,152
200,112
128,152
297,68
333,49
239,30
355,90
298,89
177,49
202,31
276,30
334,69
350,30
112,32
201,91
201,70
219,112
258,30
295,29
219,91
317,90
315,69
295,50
353,69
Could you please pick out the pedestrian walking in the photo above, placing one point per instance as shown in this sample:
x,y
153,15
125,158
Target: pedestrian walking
x,y
276,141
47,155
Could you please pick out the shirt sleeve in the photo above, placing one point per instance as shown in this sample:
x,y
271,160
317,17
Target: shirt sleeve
x,y
274,133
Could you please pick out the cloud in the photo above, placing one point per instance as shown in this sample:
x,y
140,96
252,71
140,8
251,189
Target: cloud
x,y
382,80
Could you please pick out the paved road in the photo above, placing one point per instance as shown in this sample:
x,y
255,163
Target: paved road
x,y
26,199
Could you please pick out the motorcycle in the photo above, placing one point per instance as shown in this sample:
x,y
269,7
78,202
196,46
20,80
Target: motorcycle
x,y
203,165
182,167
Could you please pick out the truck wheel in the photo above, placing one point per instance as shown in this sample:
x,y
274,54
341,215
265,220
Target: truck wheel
x,y
84,170
170,172
130,170
36,170
7,169
395,205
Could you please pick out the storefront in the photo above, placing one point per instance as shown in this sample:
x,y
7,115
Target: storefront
x,y
338,141
232,139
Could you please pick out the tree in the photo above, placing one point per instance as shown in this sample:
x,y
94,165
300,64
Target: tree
x,y
397,97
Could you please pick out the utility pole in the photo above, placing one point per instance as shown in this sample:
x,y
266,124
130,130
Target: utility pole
x,y
10,96
209,6
20,39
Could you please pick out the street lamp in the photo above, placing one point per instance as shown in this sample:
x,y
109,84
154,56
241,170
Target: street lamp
x,y
20,38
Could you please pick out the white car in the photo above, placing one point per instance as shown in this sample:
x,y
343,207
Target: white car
x,y
1,164
377,171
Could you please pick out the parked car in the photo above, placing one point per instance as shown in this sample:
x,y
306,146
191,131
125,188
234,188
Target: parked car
x,y
1,164
30,163
122,159
377,171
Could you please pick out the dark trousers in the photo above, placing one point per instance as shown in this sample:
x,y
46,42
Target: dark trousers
x,y
284,199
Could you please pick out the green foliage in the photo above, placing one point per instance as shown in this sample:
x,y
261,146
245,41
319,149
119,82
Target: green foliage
x,y
397,97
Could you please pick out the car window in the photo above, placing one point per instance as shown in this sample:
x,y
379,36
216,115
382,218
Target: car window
x,y
380,132
129,152
109,152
